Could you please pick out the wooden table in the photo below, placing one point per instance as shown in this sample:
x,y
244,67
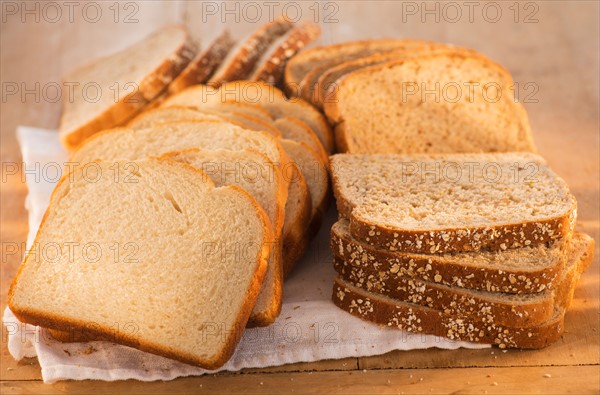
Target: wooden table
x,y
552,51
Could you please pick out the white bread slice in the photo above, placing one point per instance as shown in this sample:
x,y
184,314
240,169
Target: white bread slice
x,y
322,57
517,271
279,106
452,203
298,211
271,65
123,143
420,319
139,72
166,287
292,128
241,60
317,179
471,109
257,175
160,115
204,64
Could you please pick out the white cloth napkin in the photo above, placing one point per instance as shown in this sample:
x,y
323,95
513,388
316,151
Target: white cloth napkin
x,y
310,327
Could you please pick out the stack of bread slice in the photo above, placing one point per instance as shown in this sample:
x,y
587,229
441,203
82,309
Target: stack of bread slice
x,y
474,247
415,96
145,74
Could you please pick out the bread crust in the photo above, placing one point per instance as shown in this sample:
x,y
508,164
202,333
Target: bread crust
x,y
68,325
419,319
129,105
373,261
240,65
204,64
272,69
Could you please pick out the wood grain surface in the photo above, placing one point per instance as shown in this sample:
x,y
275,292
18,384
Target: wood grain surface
x,y
550,47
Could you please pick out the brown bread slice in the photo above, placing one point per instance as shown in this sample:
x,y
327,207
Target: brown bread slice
x,y
518,271
443,103
271,66
140,72
163,288
311,59
453,202
420,319
241,60
204,64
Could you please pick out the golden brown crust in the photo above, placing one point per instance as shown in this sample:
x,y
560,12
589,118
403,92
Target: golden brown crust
x,y
129,105
43,319
241,64
373,261
420,319
203,65
271,70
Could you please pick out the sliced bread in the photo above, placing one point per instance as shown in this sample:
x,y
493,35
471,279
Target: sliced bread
x,y
306,61
292,128
443,103
517,271
271,65
452,203
204,64
420,319
171,289
257,175
139,73
279,106
317,179
241,60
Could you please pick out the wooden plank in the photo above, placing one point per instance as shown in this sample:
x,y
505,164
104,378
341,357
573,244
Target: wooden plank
x,y
561,379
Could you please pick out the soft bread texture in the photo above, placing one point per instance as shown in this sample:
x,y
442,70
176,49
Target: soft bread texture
x,y
414,318
482,118
279,106
316,175
160,115
132,144
241,61
313,82
258,96
292,128
298,214
516,271
452,203
322,57
257,175
140,72
204,64
166,290
271,66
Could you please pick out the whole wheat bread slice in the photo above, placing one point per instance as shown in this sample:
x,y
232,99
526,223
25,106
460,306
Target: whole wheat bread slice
x,y
420,319
315,58
517,271
165,289
241,60
271,66
257,175
452,203
139,72
443,103
204,64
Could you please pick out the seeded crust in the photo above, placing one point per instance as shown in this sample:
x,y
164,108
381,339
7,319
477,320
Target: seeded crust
x,y
128,105
419,319
364,185
271,67
239,64
370,263
204,64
